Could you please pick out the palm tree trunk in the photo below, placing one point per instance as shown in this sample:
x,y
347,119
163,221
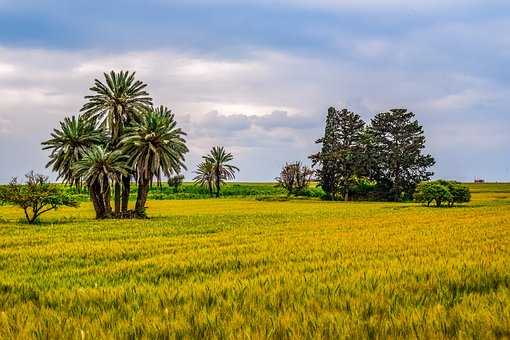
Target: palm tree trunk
x,y
141,198
218,184
126,184
97,201
209,183
117,198
107,202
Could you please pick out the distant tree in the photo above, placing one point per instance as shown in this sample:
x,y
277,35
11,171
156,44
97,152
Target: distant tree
x,y
341,158
427,192
116,105
295,178
205,176
97,168
442,191
325,159
222,170
175,181
35,197
155,146
399,142
69,143
459,192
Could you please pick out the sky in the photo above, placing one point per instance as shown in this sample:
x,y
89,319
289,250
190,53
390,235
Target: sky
x,y
258,76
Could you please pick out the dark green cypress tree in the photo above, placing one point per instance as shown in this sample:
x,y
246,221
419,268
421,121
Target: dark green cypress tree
x,y
340,157
349,149
324,159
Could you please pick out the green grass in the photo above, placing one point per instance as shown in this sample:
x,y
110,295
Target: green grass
x,y
189,190
242,268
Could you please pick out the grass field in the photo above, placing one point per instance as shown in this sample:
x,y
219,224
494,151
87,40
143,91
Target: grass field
x,y
249,269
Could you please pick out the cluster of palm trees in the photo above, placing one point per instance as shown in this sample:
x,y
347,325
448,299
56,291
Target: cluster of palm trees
x,y
118,135
215,169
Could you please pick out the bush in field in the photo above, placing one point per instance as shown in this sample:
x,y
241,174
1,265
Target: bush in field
x,y
441,191
295,178
35,197
459,192
175,181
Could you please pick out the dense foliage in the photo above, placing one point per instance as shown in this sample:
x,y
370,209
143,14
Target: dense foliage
x,y
441,191
388,152
36,196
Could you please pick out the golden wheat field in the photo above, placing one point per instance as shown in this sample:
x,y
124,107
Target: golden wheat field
x,y
234,268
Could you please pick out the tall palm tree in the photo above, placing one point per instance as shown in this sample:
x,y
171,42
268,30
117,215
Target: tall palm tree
x,y
223,171
205,176
155,146
97,168
68,144
116,105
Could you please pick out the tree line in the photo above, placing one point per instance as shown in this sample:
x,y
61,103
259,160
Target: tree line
x,y
382,160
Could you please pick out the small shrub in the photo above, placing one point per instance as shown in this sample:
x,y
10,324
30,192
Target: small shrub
x,y
295,178
175,181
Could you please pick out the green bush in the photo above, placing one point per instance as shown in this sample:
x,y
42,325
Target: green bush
x,y
442,191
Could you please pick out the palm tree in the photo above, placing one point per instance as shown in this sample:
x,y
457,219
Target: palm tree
x,y
155,146
116,104
205,176
68,144
97,168
222,171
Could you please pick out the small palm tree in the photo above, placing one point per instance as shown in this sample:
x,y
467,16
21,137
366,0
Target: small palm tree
x,y
205,176
222,171
68,144
155,146
116,104
97,168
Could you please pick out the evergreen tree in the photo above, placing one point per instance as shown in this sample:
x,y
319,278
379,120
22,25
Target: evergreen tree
x,y
324,159
399,142
340,158
348,149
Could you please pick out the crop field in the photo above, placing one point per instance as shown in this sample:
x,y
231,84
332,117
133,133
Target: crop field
x,y
243,268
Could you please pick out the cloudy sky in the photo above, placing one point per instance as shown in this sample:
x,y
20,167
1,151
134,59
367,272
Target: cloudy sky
x,y
257,76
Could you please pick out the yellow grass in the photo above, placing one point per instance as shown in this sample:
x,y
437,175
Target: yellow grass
x,y
249,269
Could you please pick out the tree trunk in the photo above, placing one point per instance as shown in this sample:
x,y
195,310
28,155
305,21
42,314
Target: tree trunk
x,y
209,183
117,198
218,183
126,186
141,199
107,202
97,201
